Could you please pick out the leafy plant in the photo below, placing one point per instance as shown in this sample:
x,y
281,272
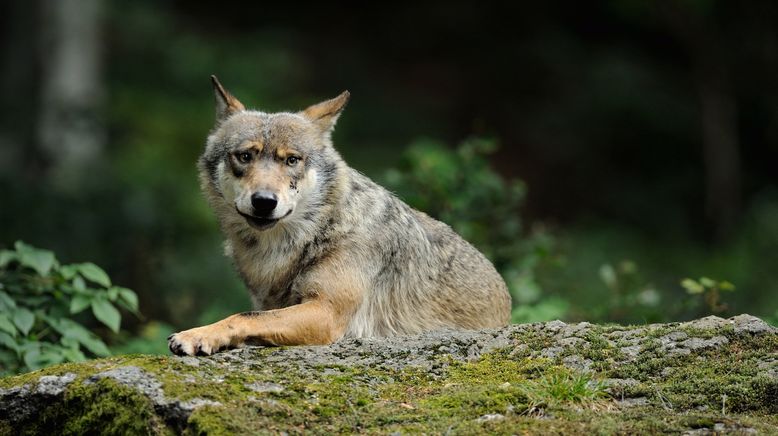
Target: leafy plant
x,y
459,187
40,301
710,291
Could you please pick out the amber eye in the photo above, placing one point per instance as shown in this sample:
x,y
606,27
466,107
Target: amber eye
x,y
244,157
292,160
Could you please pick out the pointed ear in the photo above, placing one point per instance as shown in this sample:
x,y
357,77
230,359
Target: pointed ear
x,y
226,104
326,113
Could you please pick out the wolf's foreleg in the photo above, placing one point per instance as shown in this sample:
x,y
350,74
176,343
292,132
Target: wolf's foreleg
x,y
312,322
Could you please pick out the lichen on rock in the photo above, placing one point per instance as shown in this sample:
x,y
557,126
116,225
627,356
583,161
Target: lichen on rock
x,y
707,375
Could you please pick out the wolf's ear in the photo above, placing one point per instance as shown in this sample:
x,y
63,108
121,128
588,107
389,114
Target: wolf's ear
x,y
326,113
226,104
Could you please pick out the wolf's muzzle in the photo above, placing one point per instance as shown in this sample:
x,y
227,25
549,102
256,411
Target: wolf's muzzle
x,y
264,202
256,222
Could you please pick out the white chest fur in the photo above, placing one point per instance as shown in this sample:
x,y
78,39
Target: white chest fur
x,y
264,267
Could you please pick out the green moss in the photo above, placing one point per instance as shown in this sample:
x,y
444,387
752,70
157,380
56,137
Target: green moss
x,y
500,382
31,378
599,350
659,331
338,399
711,378
103,407
497,368
533,340
727,330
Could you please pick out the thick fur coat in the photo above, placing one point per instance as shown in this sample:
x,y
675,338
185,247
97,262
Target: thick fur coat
x,y
325,252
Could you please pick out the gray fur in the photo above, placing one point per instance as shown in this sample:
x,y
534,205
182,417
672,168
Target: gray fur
x,y
412,273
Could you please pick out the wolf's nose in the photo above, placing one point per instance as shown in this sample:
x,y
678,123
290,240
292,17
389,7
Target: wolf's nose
x,y
263,202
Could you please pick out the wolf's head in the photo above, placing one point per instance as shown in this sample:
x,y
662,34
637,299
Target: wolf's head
x,y
262,168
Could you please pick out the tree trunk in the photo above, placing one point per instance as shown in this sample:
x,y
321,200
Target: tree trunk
x,y
19,87
69,132
718,113
721,150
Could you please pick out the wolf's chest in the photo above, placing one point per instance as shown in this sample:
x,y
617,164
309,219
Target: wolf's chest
x,y
268,273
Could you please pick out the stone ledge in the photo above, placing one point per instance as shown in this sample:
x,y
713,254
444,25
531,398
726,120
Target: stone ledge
x,y
723,373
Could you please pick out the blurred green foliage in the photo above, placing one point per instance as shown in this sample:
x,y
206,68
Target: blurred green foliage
x,y
460,187
41,304
660,262
630,296
710,291
151,338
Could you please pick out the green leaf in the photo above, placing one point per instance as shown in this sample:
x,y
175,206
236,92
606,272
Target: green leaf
x,y
79,284
6,302
51,356
24,319
8,342
6,257
69,342
94,274
74,330
96,346
113,294
129,297
73,355
40,260
32,359
708,283
28,345
107,314
56,324
692,287
7,325
79,303
68,271
726,286
37,356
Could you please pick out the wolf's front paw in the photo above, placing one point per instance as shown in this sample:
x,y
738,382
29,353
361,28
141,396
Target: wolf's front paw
x,y
201,341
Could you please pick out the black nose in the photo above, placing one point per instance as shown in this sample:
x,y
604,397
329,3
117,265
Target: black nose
x,y
264,202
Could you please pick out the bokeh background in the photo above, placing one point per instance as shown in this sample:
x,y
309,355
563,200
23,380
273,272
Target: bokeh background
x,y
599,152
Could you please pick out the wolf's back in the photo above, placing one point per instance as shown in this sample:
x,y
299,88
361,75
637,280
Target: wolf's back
x,y
421,274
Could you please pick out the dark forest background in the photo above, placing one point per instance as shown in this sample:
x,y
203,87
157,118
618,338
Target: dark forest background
x,y
635,144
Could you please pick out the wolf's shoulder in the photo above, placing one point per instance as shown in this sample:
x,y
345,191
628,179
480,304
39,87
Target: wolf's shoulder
x,y
377,205
362,183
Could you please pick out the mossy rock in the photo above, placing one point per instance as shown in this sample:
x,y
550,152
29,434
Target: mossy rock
x,y
706,376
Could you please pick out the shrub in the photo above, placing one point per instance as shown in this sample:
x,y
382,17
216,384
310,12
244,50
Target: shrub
x,y
40,302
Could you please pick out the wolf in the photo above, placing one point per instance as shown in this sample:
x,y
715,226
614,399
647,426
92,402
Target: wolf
x,y
325,252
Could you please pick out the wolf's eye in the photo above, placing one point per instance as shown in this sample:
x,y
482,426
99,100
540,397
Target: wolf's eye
x,y
244,157
292,160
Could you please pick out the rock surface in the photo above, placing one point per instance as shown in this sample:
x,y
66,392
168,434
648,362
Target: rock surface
x,y
708,376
